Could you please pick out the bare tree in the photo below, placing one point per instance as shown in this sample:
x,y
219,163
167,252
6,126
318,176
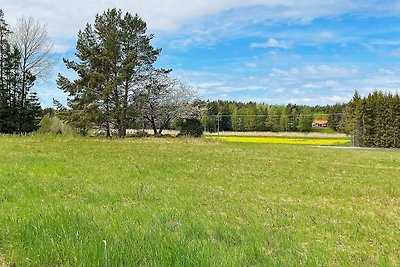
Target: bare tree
x,y
35,47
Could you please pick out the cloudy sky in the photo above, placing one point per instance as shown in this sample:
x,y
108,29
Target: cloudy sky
x,y
272,51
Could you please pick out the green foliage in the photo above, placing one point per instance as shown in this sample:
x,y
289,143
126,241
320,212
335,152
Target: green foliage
x,y
273,123
250,118
284,121
189,202
53,125
114,55
45,124
208,122
20,110
336,118
323,130
82,120
305,120
238,116
323,117
190,127
373,121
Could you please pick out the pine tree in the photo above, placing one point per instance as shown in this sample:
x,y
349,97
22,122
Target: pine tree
x,y
250,118
374,121
15,117
353,119
305,120
273,121
262,116
284,120
115,55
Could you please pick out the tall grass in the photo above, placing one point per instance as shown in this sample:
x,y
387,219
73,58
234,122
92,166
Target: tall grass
x,y
186,202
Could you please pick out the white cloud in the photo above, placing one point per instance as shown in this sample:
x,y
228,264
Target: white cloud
x,y
327,35
299,85
251,65
385,42
297,92
315,71
386,71
271,43
65,18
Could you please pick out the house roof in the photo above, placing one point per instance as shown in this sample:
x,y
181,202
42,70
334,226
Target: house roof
x,y
321,121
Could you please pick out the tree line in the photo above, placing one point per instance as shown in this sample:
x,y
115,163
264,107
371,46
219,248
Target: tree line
x,y
237,116
374,120
23,60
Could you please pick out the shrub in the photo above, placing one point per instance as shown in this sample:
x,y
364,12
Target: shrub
x,y
54,125
190,127
45,124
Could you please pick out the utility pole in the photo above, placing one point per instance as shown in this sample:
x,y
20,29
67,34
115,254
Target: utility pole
x,y
218,123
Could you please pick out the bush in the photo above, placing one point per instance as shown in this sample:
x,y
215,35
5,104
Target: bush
x,y
190,127
54,125
45,124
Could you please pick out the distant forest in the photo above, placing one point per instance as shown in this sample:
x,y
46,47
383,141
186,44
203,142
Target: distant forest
x,y
372,121
251,116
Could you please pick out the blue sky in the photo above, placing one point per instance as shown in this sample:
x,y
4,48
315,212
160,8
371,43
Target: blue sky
x,y
277,52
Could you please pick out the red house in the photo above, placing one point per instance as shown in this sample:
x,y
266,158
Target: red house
x,y
320,124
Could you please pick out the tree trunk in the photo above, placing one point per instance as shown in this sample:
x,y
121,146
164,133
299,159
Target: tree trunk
x,y
125,110
108,130
1,61
154,126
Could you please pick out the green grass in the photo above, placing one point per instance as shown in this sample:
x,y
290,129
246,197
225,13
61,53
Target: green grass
x,y
323,130
185,202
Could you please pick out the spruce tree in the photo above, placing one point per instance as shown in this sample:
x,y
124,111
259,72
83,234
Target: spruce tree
x,y
115,55
14,117
305,120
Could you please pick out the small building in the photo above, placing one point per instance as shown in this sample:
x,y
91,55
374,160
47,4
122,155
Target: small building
x,y
320,124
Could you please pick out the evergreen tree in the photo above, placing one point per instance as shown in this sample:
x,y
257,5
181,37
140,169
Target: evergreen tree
x,y
305,120
115,56
262,117
274,117
293,113
284,120
250,117
237,118
336,117
14,117
224,115
373,121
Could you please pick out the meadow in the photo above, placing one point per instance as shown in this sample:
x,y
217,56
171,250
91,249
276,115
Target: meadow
x,y
71,201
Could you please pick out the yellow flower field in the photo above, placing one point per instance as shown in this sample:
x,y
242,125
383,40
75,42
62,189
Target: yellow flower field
x,y
283,140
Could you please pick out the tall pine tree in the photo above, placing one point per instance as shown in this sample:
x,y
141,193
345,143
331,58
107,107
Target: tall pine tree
x,y
14,117
115,55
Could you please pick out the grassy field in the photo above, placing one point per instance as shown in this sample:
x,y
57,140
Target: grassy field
x,y
68,201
